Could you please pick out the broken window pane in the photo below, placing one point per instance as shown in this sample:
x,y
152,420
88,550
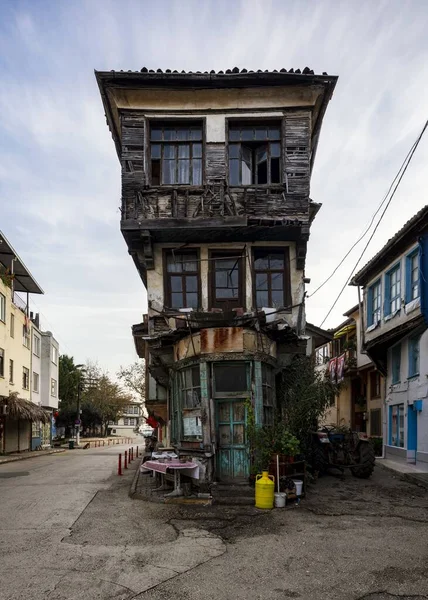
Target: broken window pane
x,y
246,166
275,150
274,171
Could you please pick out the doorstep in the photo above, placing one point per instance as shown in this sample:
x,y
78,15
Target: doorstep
x,y
408,472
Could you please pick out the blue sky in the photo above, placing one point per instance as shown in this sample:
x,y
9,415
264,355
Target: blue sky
x,y
60,178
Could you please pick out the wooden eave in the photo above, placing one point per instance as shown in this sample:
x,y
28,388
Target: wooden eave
x,y
136,80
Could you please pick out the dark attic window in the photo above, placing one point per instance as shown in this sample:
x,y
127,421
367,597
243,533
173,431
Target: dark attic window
x,y
254,153
176,153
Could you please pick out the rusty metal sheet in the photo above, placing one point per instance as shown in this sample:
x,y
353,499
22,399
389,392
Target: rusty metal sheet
x,y
222,339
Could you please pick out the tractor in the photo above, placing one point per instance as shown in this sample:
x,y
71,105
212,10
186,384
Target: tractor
x,y
342,448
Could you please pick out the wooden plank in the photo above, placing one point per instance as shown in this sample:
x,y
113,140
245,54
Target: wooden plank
x,y
190,223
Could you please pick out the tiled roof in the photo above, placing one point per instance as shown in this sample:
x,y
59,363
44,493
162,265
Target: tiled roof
x,y
234,71
419,218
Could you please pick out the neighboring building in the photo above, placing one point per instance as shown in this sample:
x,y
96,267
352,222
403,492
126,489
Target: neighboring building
x,y
216,215
395,299
17,412
359,405
128,424
49,381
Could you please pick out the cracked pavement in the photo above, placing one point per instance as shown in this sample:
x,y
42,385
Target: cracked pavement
x,y
69,531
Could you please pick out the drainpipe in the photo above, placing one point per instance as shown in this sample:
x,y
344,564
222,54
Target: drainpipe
x,y
362,326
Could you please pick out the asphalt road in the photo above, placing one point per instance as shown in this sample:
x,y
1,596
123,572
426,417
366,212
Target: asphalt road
x,y
69,531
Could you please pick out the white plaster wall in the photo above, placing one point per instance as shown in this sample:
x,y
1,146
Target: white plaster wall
x,y
401,317
409,390
49,370
36,365
155,278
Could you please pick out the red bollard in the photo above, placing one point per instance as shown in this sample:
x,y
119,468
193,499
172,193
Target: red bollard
x,y
119,465
126,459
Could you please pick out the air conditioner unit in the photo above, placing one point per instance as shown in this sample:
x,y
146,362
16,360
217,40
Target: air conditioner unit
x,y
4,410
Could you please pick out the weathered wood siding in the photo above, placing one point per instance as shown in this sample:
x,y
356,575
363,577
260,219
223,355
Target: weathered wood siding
x,y
290,200
296,149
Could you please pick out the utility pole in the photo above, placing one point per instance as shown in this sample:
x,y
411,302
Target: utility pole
x,y
78,422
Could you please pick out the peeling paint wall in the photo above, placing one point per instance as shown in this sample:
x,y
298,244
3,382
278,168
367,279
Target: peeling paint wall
x,y
155,277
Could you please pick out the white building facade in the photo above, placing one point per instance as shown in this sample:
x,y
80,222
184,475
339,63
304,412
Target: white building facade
x,y
396,337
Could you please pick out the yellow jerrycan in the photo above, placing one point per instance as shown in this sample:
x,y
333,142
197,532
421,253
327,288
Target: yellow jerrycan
x,y
265,490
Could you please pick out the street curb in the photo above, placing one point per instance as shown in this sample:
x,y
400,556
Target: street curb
x,y
30,455
405,476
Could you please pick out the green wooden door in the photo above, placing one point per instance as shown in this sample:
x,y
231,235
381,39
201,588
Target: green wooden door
x,y
232,455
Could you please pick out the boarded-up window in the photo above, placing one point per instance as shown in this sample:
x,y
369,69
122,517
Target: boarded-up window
x,y
375,422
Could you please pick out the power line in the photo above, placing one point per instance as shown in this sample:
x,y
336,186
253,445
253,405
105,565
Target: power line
x,y
408,159
363,235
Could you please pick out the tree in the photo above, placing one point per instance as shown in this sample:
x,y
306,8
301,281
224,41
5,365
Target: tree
x,y
304,396
106,398
133,378
69,377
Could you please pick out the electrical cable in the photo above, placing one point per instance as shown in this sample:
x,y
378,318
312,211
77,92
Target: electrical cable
x,y
363,235
409,158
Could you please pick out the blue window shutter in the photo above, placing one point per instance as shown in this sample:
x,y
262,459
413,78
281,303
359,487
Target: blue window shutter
x,y
387,302
370,307
408,278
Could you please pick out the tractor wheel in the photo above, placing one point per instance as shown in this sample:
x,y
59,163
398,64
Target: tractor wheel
x,y
367,461
319,462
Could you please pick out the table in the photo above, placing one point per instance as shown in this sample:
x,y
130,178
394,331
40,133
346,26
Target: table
x,y
188,468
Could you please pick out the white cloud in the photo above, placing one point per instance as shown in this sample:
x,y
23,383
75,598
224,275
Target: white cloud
x,y
59,174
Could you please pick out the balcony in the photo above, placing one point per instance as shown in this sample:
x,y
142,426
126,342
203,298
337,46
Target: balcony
x,y
19,303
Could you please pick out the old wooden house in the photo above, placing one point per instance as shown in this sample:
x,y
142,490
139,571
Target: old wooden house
x,y
216,215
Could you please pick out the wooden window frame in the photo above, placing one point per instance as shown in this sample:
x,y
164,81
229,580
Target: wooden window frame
x,y
286,276
179,122
2,362
227,304
279,121
11,371
167,279
396,299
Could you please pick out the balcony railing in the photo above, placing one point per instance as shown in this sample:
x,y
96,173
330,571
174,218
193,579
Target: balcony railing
x,y
19,303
